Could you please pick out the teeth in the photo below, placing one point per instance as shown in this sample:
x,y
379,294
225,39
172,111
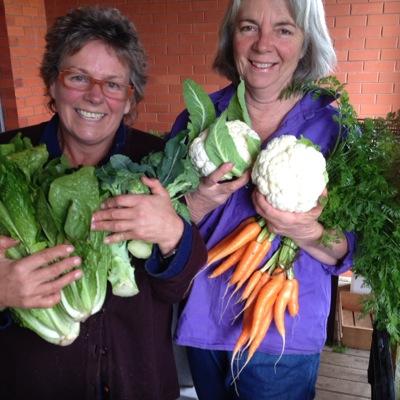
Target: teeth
x,y
262,65
94,116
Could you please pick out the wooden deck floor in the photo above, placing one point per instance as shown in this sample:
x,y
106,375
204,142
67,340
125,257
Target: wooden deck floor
x,y
343,376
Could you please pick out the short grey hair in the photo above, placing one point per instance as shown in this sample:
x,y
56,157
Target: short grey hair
x,y
71,32
319,58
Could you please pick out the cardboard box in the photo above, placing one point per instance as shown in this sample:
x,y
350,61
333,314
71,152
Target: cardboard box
x,y
354,327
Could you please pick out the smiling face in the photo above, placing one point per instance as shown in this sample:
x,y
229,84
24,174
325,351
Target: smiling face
x,y
267,45
88,118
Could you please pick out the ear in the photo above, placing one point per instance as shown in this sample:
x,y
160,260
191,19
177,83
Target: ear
x,y
128,106
52,90
129,101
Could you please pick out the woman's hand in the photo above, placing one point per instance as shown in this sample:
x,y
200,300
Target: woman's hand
x,y
211,192
146,217
36,280
302,227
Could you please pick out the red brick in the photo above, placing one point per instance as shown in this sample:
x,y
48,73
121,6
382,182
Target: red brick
x,y
390,54
15,31
362,98
339,33
342,55
191,38
392,30
351,66
381,43
353,87
181,69
181,28
157,108
365,9
30,11
389,99
389,76
377,88
353,20
179,49
192,60
337,9
364,55
206,27
362,77
366,31
383,20
347,44
191,17
392,7
380,66
374,110
204,48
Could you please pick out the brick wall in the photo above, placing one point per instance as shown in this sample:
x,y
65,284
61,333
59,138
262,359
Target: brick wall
x,y
7,93
180,39
25,22
367,41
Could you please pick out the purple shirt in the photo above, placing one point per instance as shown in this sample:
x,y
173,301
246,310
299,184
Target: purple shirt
x,y
208,319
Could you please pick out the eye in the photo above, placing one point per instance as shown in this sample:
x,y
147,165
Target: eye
x,y
78,78
247,27
285,32
115,86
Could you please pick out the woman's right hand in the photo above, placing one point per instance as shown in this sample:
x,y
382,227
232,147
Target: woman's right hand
x,y
36,281
212,192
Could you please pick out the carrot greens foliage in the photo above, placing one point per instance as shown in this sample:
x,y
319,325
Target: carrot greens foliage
x,y
364,197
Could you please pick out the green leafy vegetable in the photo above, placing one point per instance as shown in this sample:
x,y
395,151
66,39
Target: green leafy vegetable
x,y
200,107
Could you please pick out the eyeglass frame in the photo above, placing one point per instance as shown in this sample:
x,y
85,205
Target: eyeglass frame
x,y
93,81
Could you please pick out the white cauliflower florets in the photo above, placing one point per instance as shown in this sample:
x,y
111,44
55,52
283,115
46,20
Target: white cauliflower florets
x,y
199,157
291,174
240,133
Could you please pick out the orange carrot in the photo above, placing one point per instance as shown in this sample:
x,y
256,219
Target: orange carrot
x,y
293,305
246,235
280,306
263,280
255,252
251,284
228,262
266,271
279,312
220,245
253,264
265,300
244,335
266,322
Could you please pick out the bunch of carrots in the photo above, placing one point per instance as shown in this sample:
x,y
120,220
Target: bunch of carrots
x,y
268,290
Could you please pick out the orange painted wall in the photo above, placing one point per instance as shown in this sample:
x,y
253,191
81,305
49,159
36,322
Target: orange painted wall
x,y
180,38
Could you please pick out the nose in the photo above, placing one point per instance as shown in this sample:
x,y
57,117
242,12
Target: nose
x,y
95,93
264,41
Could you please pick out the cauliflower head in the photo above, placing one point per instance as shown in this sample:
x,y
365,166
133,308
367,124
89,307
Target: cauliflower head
x,y
290,173
225,141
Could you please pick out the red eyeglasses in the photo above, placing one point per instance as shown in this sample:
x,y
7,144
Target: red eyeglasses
x,y
76,80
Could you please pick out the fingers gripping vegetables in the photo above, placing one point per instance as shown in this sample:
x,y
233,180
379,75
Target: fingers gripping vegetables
x,y
291,173
228,138
225,141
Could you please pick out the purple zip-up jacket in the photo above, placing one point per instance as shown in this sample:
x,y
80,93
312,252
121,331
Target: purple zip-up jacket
x,y
207,319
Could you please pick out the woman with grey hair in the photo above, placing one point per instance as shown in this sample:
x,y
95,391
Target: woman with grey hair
x,y
269,44
94,71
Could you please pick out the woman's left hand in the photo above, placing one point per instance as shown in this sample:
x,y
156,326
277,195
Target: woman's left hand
x,y
145,217
300,226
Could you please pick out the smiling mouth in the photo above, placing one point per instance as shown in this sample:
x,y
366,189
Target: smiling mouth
x,y
260,65
90,115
